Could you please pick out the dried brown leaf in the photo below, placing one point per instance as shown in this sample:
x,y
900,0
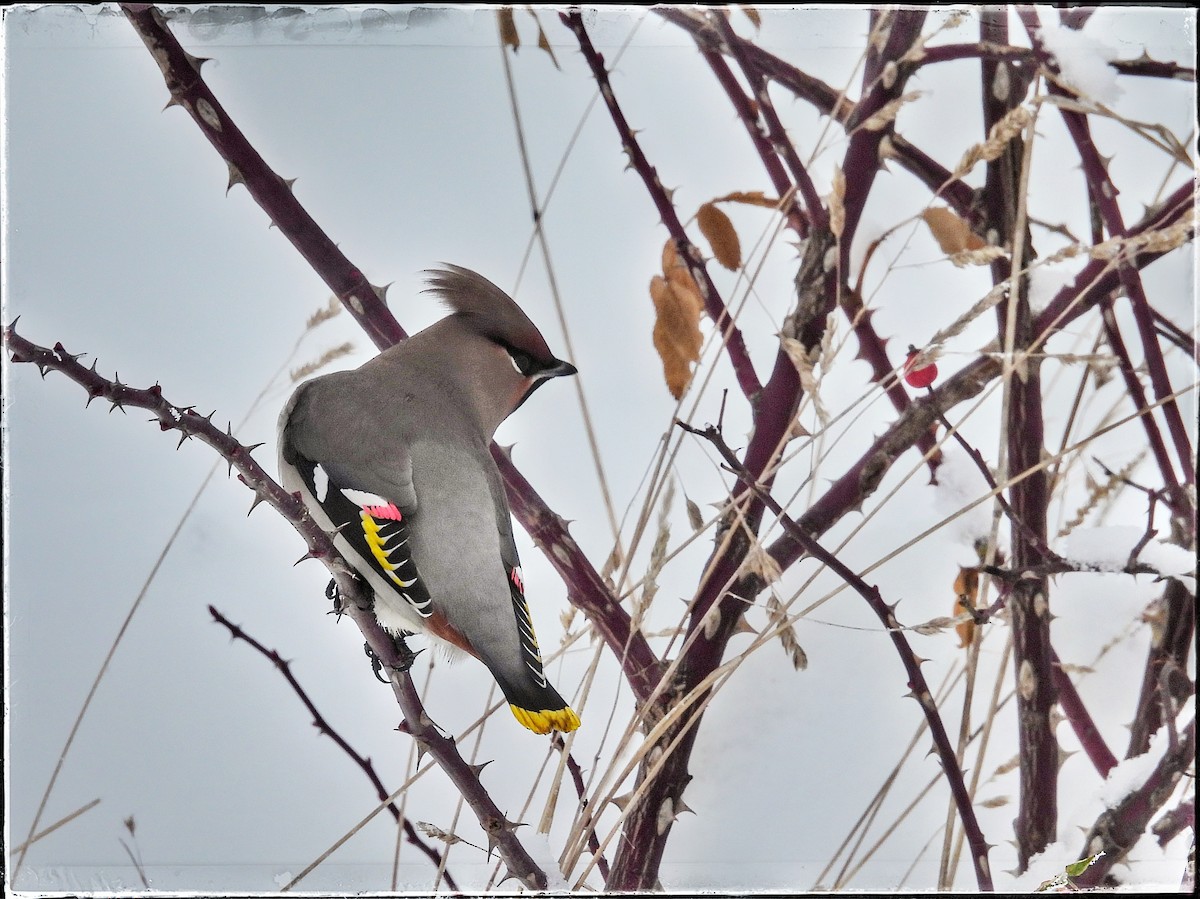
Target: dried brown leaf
x,y
685,285
718,230
508,28
966,591
752,14
676,271
995,802
677,334
750,198
543,42
952,233
670,257
695,519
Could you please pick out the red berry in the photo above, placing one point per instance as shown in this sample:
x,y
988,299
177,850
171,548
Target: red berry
x,y
919,377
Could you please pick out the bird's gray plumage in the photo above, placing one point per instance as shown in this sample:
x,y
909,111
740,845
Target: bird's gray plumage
x,y
412,427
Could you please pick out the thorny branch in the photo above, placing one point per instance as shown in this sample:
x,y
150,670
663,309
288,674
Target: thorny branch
x,y
886,614
1118,828
181,72
727,588
644,835
581,791
735,344
323,726
190,424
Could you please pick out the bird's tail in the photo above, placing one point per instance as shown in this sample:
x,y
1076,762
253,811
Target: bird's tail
x,y
546,720
541,711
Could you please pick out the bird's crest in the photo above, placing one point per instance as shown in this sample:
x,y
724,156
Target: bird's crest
x,y
490,310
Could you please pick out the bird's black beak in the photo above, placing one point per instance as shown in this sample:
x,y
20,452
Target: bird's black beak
x,y
559,369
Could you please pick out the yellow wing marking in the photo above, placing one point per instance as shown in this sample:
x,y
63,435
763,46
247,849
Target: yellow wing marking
x,y
371,531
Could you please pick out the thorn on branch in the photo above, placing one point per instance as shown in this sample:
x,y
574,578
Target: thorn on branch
x,y
311,554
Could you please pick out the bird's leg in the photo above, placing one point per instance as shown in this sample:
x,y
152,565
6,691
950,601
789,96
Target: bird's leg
x,y
334,595
407,656
376,663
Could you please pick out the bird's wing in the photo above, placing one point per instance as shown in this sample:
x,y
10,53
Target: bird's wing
x,y
321,426
533,701
363,486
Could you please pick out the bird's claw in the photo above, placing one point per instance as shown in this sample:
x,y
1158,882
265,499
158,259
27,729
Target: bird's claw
x,y
334,595
406,657
376,663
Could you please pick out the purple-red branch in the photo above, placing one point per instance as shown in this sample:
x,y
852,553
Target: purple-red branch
x,y
181,72
1120,827
912,664
734,343
189,423
828,100
1104,195
818,215
323,726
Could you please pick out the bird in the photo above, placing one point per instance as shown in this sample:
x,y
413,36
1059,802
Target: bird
x,y
392,459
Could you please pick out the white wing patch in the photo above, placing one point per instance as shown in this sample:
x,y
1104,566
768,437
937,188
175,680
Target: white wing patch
x,y
363,498
320,483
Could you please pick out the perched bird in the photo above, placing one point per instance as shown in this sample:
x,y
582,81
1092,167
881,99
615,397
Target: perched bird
x,y
392,458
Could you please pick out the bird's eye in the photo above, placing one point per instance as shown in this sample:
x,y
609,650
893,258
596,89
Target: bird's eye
x,y
522,362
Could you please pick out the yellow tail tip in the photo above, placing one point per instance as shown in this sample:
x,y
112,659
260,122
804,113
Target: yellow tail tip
x,y
546,720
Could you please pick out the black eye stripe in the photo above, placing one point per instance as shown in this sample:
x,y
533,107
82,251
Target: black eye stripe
x,y
522,361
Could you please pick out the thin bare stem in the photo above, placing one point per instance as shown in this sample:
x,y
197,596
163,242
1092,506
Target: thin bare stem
x,y
916,680
321,723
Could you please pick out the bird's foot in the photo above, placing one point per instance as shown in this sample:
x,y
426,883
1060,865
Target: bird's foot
x,y
334,595
406,656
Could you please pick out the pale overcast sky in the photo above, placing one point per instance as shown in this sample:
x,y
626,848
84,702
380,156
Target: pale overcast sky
x,y
122,243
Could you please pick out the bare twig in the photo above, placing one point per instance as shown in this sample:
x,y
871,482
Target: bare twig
x,y
191,424
323,726
181,72
735,345
581,791
886,614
